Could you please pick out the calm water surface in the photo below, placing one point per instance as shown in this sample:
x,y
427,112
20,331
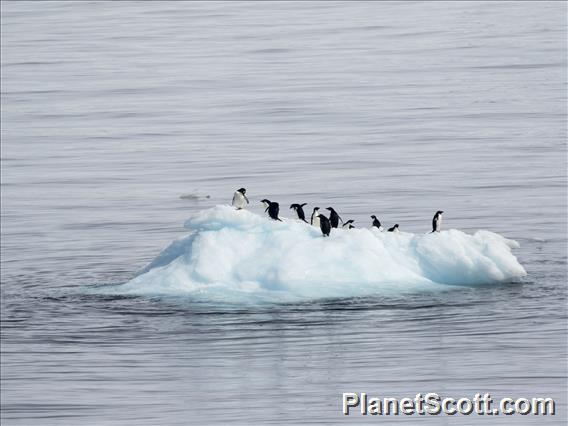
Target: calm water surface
x,y
111,111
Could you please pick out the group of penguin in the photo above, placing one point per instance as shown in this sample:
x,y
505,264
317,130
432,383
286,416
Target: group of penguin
x,y
240,201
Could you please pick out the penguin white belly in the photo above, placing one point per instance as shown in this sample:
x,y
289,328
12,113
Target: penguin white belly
x,y
316,222
439,223
239,200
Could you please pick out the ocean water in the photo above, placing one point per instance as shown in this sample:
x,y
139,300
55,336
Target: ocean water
x,y
121,120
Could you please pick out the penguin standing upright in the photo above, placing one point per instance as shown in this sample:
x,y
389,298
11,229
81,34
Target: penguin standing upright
x,y
394,228
437,221
315,220
272,208
298,208
334,218
325,225
376,223
240,199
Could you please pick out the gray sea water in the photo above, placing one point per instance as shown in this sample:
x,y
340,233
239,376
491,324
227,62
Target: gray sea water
x,y
113,110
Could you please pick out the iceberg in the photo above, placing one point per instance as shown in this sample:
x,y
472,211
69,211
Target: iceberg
x,y
234,256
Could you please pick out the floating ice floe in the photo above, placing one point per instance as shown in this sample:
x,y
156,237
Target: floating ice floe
x,y
239,255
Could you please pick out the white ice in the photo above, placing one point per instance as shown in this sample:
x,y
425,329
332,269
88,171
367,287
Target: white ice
x,y
238,255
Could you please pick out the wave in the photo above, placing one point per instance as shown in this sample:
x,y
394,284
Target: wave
x,y
240,256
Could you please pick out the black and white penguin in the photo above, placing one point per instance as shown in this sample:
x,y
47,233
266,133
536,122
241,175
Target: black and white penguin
x,y
240,199
394,228
437,221
272,208
315,221
334,218
325,225
298,208
376,223
348,224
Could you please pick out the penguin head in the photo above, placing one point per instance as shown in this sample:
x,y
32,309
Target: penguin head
x,y
439,212
373,216
316,209
242,191
293,206
330,209
396,225
265,202
350,221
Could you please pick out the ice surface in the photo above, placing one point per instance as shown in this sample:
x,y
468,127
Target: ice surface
x,y
239,255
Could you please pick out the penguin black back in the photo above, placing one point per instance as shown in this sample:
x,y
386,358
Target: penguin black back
x,y
334,218
272,208
349,224
325,225
299,211
376,222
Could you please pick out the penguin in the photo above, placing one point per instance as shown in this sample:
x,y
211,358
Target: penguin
x,y
334,218
272,208
437,221
348,224
325,225
394,228
299,211
315,220
240,199
376,223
